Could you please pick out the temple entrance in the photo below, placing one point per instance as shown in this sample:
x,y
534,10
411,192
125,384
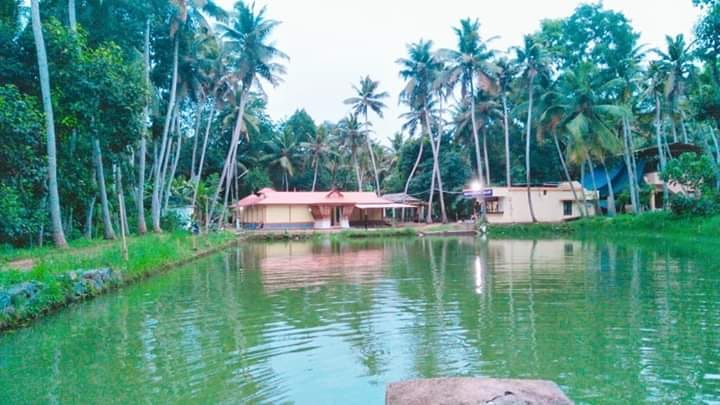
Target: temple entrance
x,y
335,214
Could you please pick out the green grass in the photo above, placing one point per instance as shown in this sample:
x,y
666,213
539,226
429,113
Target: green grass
x,y
146,254
375,233
649,224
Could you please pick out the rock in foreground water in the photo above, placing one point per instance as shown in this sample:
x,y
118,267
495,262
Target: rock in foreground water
x,y
472,391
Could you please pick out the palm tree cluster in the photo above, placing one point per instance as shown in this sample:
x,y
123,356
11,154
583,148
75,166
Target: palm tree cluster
x,y
163,102
599,104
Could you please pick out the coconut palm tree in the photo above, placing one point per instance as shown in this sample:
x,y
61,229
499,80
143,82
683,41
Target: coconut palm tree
x,y
471,61
506,72
319,148
187,16
283,151
424,87
590,117
553,114
253,57
630,74
654,81
58,234
352,137
487,110
368,98
676,65
534,62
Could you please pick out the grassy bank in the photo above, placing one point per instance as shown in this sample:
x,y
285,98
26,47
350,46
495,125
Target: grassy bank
x,y
650,224
352,233
56,273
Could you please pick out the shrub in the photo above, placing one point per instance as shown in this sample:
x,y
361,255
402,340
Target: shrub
x,y
705,205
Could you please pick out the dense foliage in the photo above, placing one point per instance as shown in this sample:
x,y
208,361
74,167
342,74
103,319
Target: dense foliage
x,y
160,103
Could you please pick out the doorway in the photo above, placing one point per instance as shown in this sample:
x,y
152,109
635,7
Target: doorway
x,y
335,216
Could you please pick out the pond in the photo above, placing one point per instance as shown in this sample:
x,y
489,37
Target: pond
x,y
333,322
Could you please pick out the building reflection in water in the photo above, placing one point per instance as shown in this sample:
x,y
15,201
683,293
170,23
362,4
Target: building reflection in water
x,y
302,265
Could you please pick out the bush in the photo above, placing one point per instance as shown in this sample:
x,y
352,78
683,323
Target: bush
x,y
705,205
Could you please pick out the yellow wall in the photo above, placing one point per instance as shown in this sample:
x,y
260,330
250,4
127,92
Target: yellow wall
x,y
547,205
285,214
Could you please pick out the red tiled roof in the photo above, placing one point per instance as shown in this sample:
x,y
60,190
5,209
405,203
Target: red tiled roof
x,y
268,196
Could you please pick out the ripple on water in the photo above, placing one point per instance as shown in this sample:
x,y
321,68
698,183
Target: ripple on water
x,y
334,322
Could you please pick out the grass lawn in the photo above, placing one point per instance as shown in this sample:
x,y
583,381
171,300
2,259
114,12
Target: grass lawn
x,y
49,266
649,224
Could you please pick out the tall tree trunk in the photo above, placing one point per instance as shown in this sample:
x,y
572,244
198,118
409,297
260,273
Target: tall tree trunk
x,y
168,189
142,153
198,123
89,218
412,173
611,191
232,150
682,126
202,157
527,148
107,221
58,234
473,120
717,153
441,192
632,177
485,156
436,157
661,153
674,129
317,163
594,182
631,144
372,154
121,208
71,16
356,165
508,175
157,189
584,196
429,218
567,174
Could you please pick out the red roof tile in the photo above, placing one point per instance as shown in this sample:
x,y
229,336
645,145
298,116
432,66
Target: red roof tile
x,y
268,196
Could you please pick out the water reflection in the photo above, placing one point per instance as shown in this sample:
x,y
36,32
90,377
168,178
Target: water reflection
x,y
333,322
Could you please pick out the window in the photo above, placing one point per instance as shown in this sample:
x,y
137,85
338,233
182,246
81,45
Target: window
x,y
493,206
567,208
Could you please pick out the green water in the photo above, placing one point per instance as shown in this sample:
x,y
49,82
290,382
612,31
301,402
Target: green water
x,y
333,323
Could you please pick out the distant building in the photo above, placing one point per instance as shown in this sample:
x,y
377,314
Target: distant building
x,y
551,203
648,174
270,209
414,213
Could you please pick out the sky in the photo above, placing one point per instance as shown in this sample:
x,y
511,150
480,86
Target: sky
x,y
333,43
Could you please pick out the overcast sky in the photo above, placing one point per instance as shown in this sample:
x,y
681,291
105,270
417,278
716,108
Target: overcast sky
x,y
332,43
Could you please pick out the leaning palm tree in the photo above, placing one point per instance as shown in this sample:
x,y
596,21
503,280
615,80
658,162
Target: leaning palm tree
x,y
553,113
534,61
368,98
58,234
352,137
466,64
187,16
253,57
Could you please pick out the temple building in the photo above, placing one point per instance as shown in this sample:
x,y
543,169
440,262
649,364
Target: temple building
x,y
276,210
